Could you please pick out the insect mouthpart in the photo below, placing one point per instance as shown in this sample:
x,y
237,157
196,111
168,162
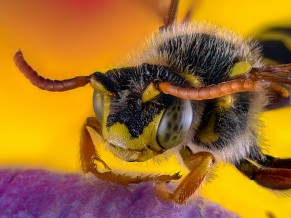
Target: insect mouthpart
x,y
131,155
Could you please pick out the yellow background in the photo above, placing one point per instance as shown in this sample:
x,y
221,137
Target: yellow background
x,y
62,39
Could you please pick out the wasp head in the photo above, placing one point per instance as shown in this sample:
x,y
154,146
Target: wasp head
x,y
135,115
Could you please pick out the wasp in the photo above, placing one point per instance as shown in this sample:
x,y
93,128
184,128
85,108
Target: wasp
x,y
196,90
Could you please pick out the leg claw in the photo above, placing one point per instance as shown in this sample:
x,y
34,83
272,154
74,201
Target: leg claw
x,y
100,165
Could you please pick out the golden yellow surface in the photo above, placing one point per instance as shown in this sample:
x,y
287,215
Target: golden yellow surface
x,y
62,39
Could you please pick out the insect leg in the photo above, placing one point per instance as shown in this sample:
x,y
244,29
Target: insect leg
x,y
270,177
199,165
87,148
265,160
276,102
91,160
275,162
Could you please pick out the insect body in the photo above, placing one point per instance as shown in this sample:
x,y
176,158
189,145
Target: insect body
x,y
196,90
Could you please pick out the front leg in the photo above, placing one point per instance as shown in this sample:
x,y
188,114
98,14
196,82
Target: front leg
x,y
87,148
199,165
91,161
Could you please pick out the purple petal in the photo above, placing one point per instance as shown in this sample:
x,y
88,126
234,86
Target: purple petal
x,y
38,193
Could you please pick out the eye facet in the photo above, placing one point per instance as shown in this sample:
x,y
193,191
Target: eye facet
x,y
98,105
175,124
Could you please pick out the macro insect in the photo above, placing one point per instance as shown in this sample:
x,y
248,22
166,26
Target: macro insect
x,y
196,90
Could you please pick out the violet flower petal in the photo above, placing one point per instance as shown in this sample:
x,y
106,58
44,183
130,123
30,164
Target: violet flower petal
x,y
38,193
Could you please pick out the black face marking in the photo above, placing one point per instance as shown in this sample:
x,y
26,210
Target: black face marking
x,y
136,117
106,82
129,109
227,123
204,55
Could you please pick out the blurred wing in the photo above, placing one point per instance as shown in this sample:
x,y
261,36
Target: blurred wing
x,y
275,42
160,8
167,10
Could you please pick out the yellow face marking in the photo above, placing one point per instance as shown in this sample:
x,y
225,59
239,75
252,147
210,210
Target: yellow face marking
x,y
207,134
149,93
119,135
99,87
193,80
240,68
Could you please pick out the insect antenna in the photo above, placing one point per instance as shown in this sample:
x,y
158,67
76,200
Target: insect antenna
x,y
258,79
278,73
47,84
222,89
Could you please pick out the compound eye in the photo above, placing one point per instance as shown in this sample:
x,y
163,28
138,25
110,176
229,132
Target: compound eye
x,y
98,105
175,124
